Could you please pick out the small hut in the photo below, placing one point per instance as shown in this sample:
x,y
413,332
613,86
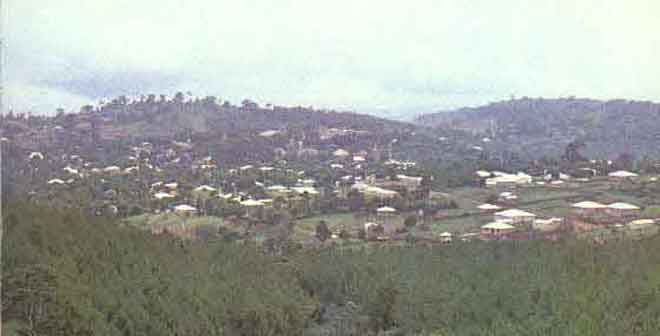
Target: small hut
x,y
372,231
446,237
641,228
385,216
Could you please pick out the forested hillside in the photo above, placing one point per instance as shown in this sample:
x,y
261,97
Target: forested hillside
x,y
248,132
67,275
537,126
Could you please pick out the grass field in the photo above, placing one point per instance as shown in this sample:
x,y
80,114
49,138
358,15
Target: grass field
x,y
165,220
544,201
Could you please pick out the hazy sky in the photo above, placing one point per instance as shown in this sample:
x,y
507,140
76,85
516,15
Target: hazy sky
x,y
376,56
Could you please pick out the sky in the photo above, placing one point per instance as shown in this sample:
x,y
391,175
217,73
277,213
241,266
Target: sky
x,y
392,58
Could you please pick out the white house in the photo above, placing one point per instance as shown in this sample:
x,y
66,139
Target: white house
x,y
589,209
622,175
185,209
496,230
386,209
341,153
503,179
488,207
482,173
163,195
111,170
36,155
205,188
515,216
171,185
446,237
71,170
269,133
621,209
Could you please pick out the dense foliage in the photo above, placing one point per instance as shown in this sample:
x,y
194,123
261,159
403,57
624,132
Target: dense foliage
x,y
536,127
66,275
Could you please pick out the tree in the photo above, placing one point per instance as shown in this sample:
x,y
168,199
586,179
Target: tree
x,y
322,231
355,200
572,151
247,104
86,109
625,161
410,221
179,97
492,198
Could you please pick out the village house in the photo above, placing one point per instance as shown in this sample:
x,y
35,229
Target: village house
x,y
131,170
112,170
269,133
488,207
56,181
341,153
305,190
163,195
623,210
378,192
622,175
205,188
497,230
446,237
548,226
385,217
410,182
641,228
185,209
277,190
404,165
358,158
507,197
515,217
171,185
373,231
589,209
251,206
71,170
482,173
508,180
36,156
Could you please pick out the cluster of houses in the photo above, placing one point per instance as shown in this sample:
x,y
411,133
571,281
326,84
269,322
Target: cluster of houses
x,y
160,165
515,223
502,179
160,168
591,216
586,215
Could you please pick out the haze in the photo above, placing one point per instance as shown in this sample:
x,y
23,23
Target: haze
x,y
389,58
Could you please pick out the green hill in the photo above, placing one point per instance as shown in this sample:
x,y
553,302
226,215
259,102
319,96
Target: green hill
x,y
538,127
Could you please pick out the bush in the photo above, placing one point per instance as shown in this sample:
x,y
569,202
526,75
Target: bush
x,y
410,221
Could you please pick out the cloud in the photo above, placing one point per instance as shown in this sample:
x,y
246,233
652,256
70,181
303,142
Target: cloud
x,y
395,56
41,100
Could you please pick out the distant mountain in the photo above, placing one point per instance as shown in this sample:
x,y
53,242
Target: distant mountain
x,y
156,118
539,127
